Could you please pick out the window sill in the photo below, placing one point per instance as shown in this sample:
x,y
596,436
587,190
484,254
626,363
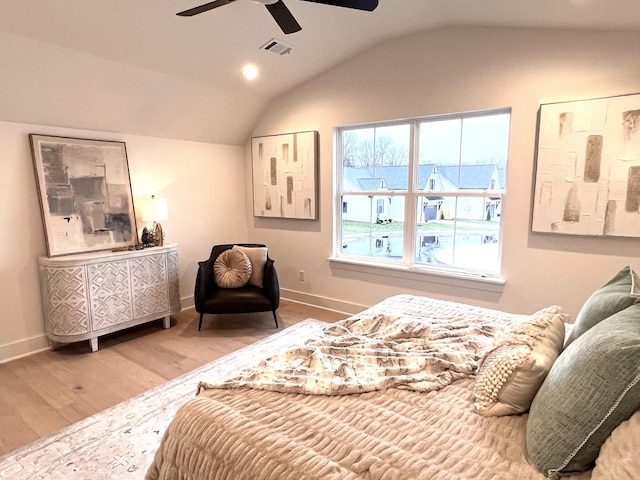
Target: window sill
x,y
488,283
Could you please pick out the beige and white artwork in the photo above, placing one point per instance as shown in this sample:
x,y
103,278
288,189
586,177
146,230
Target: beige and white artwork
x,y
284,175
587,179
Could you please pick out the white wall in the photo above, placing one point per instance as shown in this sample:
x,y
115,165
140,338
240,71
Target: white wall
x,y
448,70
443,71
46,84
204,185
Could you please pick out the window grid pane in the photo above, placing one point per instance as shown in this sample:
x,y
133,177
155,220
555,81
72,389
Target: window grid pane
x,y
371,233
460,167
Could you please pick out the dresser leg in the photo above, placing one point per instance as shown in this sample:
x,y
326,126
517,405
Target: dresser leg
x,y
94,344
167,321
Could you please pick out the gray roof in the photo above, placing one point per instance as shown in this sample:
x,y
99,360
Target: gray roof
x,y
371,183
477,177
471,176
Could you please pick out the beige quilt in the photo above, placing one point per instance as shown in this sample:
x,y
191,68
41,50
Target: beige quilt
x,y
424,429
393,435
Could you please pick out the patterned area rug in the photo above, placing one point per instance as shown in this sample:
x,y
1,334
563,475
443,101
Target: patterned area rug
x,y
121,441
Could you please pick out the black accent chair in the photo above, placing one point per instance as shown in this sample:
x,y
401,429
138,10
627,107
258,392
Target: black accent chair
x,y
209,298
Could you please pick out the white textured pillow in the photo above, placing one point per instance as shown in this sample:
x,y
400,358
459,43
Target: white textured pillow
x,y
258,258
232,269
511,373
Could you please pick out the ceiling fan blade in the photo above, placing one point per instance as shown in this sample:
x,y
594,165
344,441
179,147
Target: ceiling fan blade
x,y
368,5
204,8
283,17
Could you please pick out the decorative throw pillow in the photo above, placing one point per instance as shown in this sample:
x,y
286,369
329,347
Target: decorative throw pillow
x,y
258,258
593,387
512,371
232,269
622,291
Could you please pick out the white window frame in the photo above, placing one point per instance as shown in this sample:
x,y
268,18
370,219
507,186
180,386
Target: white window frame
x,y
408,264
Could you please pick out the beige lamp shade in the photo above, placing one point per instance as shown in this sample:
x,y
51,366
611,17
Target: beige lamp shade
x,y
154,209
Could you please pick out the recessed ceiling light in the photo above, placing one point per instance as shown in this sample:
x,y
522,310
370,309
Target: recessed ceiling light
x,y
250,72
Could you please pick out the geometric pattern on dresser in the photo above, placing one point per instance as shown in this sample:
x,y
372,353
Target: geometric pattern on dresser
x,y
66,300
149,282
90,295
174,280
110,289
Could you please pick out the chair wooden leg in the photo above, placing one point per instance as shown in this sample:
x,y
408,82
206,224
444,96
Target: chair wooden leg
x,y
200,323
275,318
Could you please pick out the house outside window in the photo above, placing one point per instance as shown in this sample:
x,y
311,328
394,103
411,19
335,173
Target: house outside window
x,y
425,193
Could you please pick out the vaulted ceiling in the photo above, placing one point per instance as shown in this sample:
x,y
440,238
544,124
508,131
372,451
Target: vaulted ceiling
x,y
211,48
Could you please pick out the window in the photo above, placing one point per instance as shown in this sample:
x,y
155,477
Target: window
x,y
425,193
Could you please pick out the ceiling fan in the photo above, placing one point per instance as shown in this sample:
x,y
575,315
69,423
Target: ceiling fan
x,y
281,13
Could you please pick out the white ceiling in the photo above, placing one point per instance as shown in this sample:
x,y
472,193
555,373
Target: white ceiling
x,y
212,47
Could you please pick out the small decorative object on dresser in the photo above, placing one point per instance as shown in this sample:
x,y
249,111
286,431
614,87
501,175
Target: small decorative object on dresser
x,y
88,295
147,238
155,210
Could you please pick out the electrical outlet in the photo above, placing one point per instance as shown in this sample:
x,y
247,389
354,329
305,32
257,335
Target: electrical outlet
x,y
301,275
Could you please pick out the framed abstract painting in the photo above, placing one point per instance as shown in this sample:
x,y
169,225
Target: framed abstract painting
x,y
587,179
85,194
285,175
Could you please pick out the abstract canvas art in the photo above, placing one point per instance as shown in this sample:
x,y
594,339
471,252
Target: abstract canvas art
x,y
587,179
85,194
285,175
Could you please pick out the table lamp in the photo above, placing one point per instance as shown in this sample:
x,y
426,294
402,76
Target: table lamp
x,y
156,210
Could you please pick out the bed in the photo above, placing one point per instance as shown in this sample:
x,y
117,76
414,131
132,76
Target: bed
x,y
419,388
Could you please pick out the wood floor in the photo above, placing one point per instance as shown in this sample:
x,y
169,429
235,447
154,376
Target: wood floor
x,y
50,390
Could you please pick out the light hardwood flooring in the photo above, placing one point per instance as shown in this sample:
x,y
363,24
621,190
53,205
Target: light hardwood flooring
x,y
49,390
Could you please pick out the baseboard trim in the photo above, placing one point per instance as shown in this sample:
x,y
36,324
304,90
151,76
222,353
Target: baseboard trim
x,y
323,302
186,302
23,348
29,346
339,306
38,343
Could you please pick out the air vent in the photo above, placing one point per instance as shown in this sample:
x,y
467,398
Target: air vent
x,y
276,47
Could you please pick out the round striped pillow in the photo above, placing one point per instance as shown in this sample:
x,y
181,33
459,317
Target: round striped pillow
x,y
232,269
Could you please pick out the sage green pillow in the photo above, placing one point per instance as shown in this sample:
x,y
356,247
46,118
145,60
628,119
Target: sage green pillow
x,y
593,386
622,291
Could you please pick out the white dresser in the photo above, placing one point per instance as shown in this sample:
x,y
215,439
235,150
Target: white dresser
x,y
88,295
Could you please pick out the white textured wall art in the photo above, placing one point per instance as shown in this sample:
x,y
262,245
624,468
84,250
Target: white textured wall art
x,y
588,167
285,175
